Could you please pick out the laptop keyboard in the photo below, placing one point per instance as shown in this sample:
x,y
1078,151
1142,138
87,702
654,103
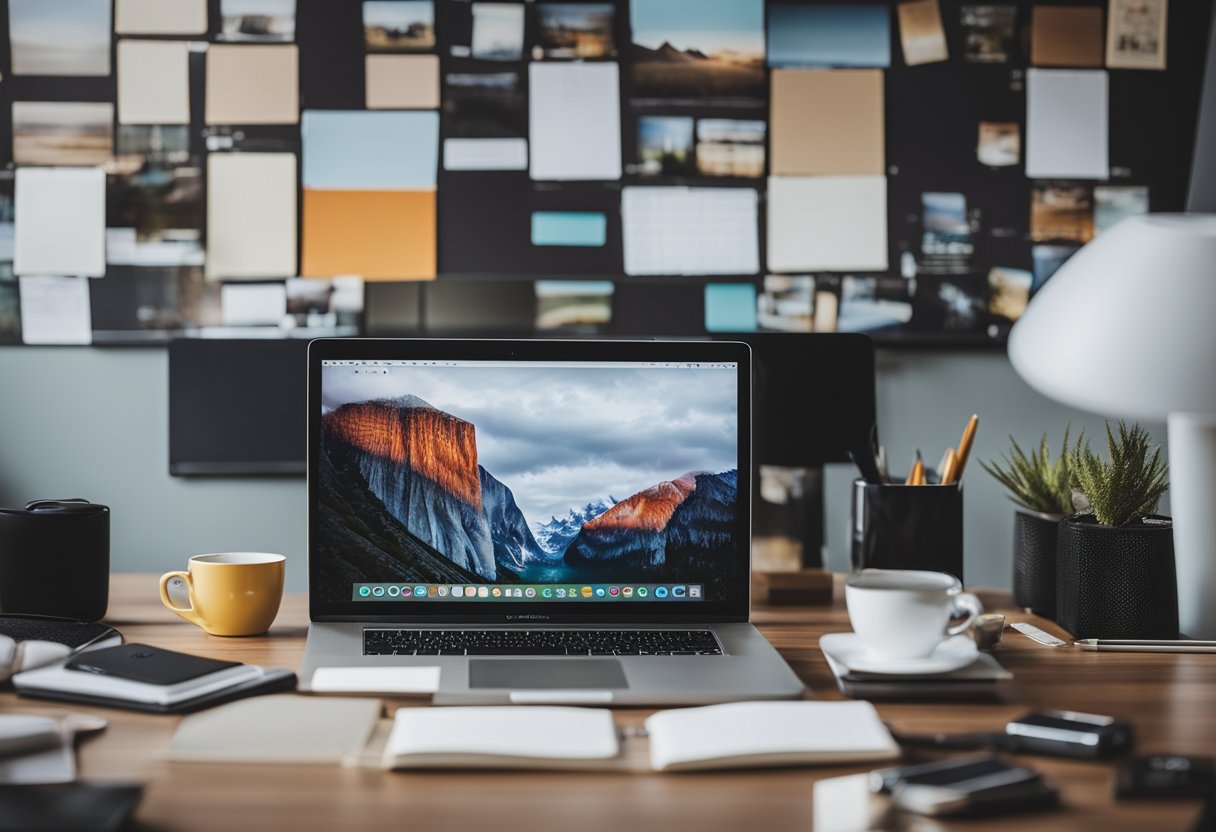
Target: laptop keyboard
x,y
387,642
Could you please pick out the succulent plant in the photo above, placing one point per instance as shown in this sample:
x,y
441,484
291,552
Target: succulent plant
x,y
1035,481
1126,487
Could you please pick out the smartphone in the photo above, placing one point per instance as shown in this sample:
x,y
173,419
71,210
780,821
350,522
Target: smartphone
x,y
1068,734
977,785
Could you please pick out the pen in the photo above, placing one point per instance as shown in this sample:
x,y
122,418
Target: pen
x,y
1133,645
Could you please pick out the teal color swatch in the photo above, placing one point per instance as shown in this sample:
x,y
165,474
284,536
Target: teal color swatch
x,y
730,307
569,228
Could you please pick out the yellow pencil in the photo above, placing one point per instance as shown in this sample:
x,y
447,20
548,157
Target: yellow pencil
x,y
917,477
950,468
964,448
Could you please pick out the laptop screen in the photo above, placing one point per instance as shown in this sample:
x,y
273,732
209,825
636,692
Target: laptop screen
x,y
483,482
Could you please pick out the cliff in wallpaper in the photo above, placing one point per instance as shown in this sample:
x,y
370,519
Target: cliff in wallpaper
x,y
514,545
358,540
696,510
422,464
403,493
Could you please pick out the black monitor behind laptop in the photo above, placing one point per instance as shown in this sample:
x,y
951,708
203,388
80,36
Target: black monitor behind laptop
x,y
237,407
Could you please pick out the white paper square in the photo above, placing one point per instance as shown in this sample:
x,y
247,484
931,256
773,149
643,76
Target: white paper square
x,y
574,118
60,222
1067,124
253,304
153,82
690,231
55,310
827,223
251,215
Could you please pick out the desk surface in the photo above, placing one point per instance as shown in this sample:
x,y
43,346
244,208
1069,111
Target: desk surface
x,y
1169,697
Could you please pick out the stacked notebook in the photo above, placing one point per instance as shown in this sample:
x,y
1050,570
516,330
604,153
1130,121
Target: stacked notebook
x,y
983,678
143,678
736,735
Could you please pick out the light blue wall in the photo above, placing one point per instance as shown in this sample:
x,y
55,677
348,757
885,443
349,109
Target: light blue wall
x,y
93,423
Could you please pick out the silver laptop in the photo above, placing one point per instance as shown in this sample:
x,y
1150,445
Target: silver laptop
x,y
544,521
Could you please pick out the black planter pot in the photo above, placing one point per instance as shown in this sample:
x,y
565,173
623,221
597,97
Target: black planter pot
x,y
1034,561
1116,581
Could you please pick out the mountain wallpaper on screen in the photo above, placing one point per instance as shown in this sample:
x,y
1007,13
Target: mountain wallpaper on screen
x,y
403,497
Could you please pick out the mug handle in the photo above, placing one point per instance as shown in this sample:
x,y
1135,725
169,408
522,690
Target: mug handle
x,y
971,607
187,613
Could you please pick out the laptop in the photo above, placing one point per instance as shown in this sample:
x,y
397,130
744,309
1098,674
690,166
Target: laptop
x,y
543,521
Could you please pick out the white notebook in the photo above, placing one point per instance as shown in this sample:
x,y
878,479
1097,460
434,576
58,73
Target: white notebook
x,y
737,735
751,734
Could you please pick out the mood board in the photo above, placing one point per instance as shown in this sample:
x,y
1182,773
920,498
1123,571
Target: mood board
x,y
293,168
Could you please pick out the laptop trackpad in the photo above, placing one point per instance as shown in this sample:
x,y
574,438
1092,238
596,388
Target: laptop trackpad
x,y
543,674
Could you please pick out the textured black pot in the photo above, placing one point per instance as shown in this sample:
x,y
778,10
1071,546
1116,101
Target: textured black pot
x,y
1034,561
1116,581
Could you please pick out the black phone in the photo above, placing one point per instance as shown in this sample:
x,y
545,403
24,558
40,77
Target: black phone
x,y
1068,734
1166,776
975,785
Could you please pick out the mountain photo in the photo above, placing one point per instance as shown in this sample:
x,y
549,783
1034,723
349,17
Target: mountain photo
x,y
513,478
698,49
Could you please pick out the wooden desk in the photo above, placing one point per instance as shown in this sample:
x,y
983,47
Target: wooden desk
x,y
1171,699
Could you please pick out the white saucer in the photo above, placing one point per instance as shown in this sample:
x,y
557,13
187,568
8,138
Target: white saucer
x,y
847,649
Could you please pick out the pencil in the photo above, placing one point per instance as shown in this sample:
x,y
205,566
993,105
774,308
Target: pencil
x,y
917,477
964,447
950,469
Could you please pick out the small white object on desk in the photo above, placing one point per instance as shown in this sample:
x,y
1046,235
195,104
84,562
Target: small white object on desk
x,y
420,680
1035,634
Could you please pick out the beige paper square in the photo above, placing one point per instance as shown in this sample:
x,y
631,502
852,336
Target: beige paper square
x,y
402,82
253,84
160,17
251,215
1066,36
827,122
153,82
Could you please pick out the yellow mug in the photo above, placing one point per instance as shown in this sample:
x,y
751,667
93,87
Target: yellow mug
x,y
231,593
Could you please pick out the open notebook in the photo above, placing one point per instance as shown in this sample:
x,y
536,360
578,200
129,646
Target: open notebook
x,y
736,735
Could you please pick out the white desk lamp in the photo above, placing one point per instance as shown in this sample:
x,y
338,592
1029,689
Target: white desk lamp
x,y
1127,328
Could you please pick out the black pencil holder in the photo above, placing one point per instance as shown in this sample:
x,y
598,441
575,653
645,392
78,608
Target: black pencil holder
x,y
900,526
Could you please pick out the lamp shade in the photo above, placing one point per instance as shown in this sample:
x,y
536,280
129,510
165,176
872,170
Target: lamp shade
x,y
1127,327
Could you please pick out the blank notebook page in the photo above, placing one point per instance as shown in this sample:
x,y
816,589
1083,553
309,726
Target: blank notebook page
x,y
496,733
767,733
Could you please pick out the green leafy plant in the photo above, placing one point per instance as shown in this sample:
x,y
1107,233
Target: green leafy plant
x,y
1128,486
1035,481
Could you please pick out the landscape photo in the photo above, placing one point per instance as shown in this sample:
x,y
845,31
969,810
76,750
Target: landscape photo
x,y
730,147
64,37
258,20
698,49
470,474
62,133
398,25
665,146
575,30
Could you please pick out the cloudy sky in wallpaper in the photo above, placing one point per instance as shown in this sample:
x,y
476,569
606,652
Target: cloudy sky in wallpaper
x,y
560,438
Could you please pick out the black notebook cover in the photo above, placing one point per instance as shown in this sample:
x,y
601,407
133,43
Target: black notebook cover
x,y
273,681
146,664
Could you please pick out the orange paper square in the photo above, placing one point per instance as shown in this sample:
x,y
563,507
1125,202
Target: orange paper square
x,y
379,235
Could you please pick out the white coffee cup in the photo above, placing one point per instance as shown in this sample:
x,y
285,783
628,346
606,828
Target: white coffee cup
x,y
905,614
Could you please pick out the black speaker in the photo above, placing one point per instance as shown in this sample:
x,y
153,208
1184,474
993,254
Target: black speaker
x,y
55,559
